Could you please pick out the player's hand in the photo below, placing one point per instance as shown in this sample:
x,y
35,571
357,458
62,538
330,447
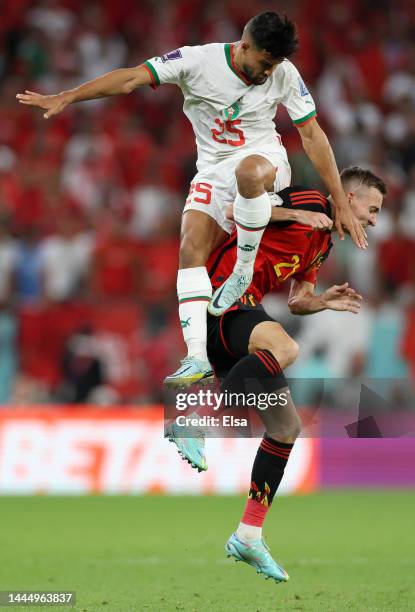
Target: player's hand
x,y
316,220
52,104
229,212
346,218
342,297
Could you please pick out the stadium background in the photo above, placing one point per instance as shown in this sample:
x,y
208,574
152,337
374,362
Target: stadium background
x,y
90,204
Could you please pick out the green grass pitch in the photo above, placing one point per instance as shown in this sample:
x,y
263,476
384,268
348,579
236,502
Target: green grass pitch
x,y
347,550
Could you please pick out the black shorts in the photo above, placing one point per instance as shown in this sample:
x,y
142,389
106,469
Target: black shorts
x,y
228,336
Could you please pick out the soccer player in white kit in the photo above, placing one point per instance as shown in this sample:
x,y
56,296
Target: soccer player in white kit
x,y
231,93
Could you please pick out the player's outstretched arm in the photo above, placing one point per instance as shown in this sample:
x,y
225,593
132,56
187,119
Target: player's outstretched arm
x,y
122,81
318,149
303,301
315,220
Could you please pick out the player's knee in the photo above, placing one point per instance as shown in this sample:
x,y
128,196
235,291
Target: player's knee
x,y
291,350
193,252
272,337
248,174
295,428
286,432
285,351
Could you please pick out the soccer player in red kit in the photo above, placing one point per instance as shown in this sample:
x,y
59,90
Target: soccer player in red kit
x,y
246,344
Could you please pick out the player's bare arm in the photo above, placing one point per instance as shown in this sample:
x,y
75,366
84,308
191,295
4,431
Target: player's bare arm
x,y
315,220
303,301
318,149
121,81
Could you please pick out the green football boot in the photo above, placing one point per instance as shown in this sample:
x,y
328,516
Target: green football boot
x,y
191,371
191,449
228,293
257,554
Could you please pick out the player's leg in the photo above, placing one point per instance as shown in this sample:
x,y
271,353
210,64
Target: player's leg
x,y
270,349
271,336
204,227
278,350
255,176
200,234
190,440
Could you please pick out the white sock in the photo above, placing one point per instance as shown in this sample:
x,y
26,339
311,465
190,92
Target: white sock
x,y
247,533
194,291
251,217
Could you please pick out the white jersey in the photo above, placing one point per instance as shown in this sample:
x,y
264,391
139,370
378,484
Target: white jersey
x,y
227,112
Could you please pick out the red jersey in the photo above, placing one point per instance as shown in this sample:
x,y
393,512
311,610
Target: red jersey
x,y
288,249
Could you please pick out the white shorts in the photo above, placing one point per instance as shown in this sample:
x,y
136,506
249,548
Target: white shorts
x,y
214,188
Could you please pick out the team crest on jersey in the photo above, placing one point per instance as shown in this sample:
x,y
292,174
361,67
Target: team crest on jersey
x,y
317,261
303,89
320,258
231,112
172,55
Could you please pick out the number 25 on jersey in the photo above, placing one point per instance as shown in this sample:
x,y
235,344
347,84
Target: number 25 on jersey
x,y
228,133
200,193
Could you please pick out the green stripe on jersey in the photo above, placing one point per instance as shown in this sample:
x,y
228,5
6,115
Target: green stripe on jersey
x,y
229,62
312,114
153,72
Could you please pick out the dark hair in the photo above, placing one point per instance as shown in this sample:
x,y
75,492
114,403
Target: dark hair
x,y
364,177
274,34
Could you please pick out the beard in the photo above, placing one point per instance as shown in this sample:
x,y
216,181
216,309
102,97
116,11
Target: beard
x,y
254,78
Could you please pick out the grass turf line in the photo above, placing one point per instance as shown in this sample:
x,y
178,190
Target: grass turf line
x,y
348,550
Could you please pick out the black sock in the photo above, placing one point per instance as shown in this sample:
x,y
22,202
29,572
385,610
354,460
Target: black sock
x,y
267,473
247,386
268,469
258,372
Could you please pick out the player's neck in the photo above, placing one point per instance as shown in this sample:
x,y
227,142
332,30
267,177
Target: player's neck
x,y
236,59
236,53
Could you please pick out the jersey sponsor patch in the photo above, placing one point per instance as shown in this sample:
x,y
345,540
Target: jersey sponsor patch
x,y
303,89
172,55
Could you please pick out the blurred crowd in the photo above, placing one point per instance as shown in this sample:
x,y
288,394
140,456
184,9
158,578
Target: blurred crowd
x,y
90,201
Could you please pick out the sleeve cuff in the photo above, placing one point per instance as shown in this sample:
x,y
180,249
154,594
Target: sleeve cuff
x,y
306,119
155,81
